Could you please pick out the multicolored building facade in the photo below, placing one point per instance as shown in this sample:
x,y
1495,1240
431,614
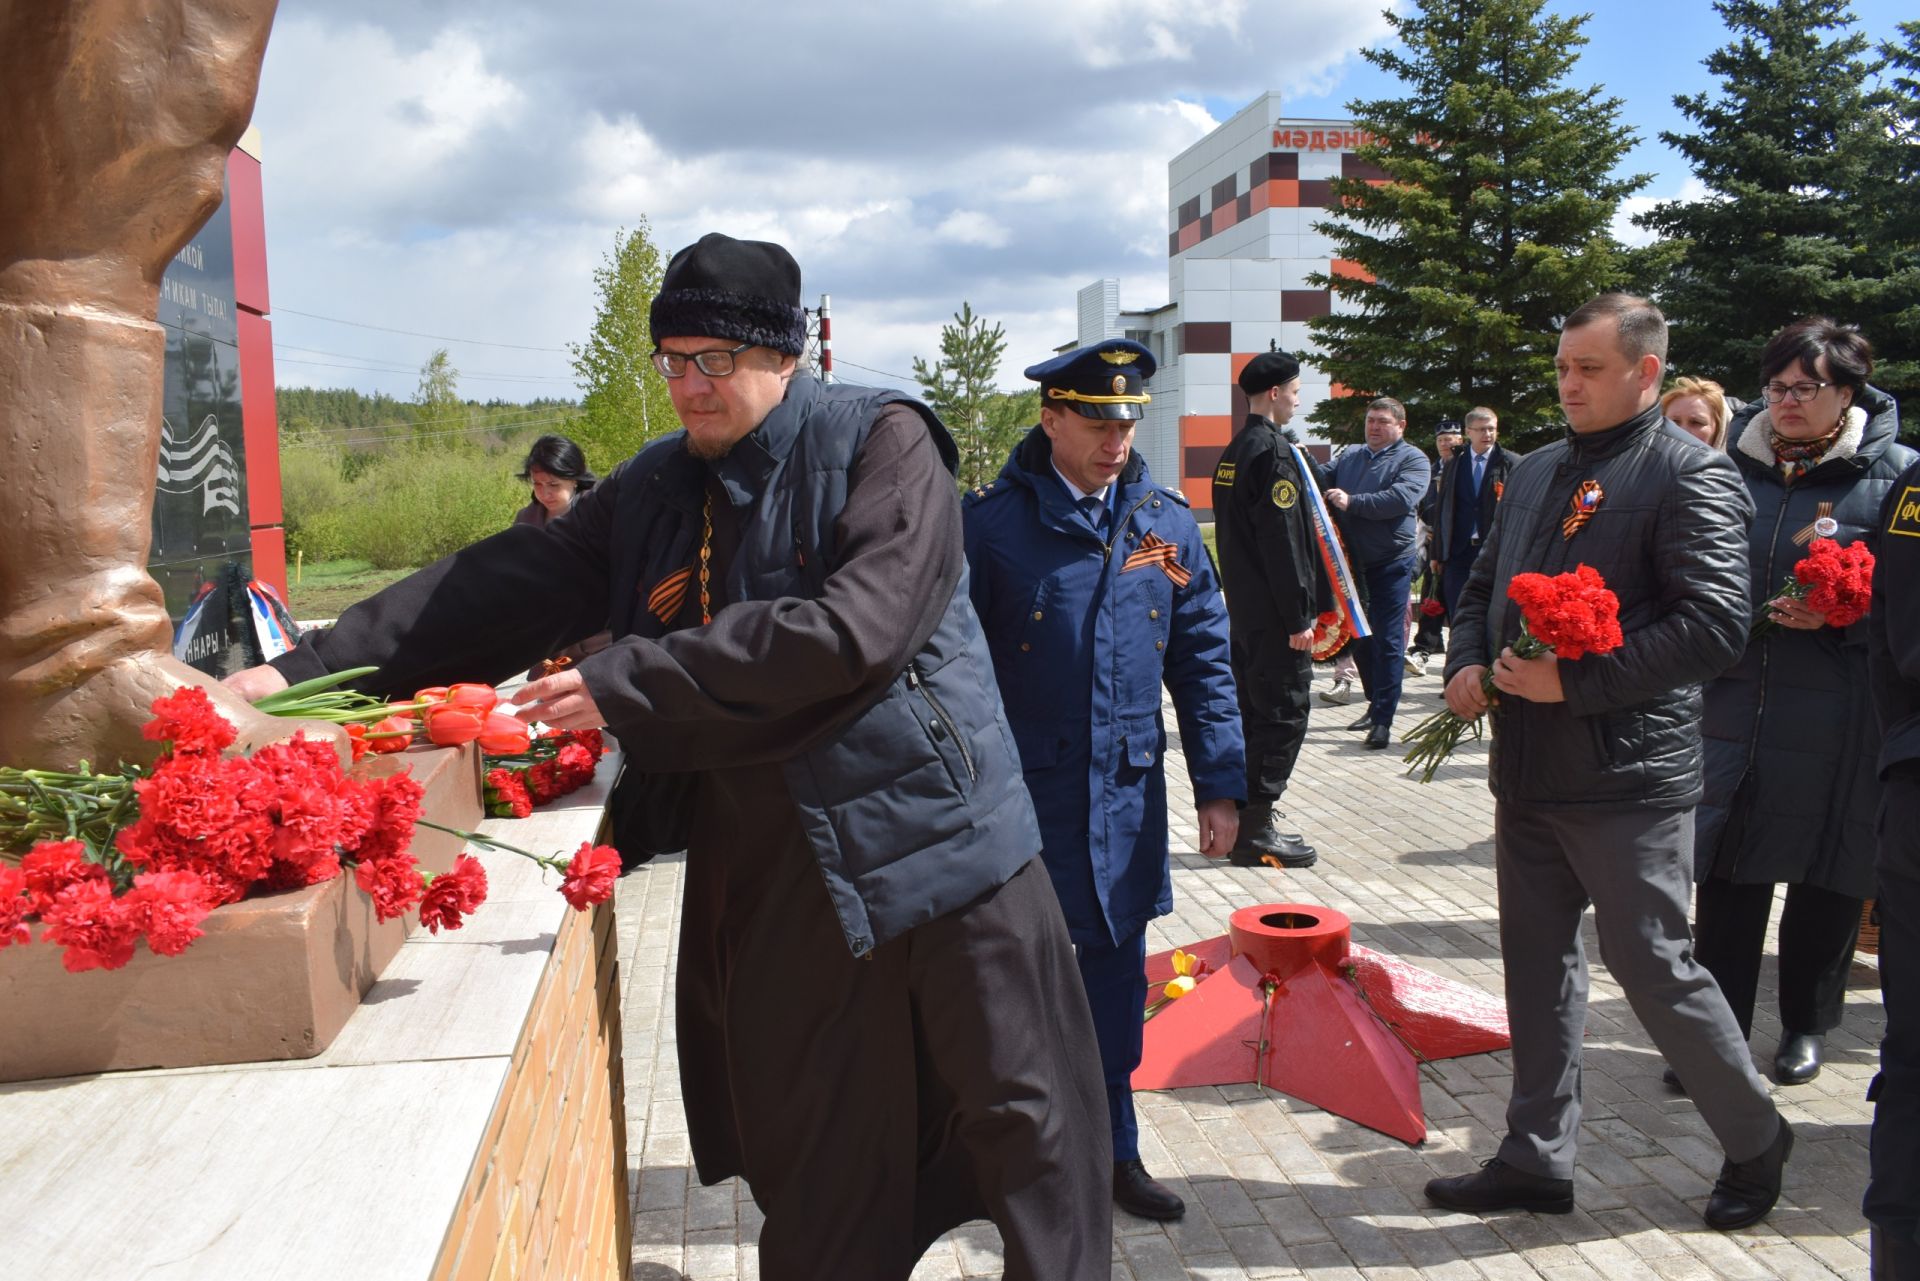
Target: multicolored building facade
x,y
1241,208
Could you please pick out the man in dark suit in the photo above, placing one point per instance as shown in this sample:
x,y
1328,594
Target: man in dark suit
x,y
1470,490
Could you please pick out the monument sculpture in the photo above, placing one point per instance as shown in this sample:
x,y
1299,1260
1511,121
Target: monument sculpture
x,y
120,115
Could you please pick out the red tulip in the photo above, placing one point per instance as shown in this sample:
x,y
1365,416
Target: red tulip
x,y
504,735
474,696
430,695
394,734
449,726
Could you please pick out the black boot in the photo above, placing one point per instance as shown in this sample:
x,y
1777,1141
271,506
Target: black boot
x,y
1746,1190
1365,721
1263,844
1137,1192
1797,1061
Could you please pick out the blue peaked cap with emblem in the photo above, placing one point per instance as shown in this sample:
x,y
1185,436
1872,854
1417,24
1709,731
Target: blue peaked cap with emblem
x,y
1105,380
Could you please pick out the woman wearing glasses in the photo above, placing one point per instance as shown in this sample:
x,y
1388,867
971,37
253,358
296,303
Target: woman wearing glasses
x,y
1791,789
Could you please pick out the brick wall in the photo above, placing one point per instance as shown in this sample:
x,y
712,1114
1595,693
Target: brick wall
x,y
547,1196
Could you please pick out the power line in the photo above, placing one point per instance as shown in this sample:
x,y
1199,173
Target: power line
x,y
838,359
523,418
382,361
412,333
402,369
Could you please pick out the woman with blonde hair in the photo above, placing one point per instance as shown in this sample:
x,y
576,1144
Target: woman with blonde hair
x,y
1698,406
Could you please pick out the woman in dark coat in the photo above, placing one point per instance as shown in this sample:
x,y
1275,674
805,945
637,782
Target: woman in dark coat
x,y
1791,791
557,471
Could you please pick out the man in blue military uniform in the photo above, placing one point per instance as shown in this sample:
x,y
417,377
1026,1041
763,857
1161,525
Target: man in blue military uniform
x,y
1095,590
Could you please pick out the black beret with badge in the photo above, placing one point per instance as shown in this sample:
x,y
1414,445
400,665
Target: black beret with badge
x,y
1104,380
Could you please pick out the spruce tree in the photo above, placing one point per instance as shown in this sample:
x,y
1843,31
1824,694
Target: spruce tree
x,y
960,388
1891,316
1491,224
1784,151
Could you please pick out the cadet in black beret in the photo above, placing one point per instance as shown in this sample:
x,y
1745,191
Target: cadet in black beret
x,y
1276,589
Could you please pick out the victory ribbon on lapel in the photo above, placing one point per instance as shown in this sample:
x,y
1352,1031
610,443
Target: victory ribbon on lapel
x,y
1823,525
1155,550
664,601
1584,504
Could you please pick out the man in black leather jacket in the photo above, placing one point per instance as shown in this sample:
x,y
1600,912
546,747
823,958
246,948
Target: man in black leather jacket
x,y
1595,764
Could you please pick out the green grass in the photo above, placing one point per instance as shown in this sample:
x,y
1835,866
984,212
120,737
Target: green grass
x,y
327,587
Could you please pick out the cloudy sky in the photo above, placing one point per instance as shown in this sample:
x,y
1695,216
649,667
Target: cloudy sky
x,y
456,170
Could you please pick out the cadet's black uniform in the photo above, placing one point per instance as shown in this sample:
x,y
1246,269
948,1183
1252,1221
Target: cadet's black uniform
x,y
1276,586
1893,631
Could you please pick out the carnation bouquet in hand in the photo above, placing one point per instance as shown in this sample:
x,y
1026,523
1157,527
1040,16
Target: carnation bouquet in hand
x,y
105,861
1567,615
1837,581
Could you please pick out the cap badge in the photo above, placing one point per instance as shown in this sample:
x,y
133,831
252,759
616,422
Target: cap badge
x,y
1119,357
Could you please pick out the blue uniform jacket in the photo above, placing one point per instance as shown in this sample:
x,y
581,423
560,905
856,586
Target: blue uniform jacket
x,y
1081,647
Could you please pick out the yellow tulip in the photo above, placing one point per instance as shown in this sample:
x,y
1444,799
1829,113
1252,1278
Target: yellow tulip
x,y
1184,962
1180,986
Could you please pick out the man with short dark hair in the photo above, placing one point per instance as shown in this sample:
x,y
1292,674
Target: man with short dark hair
x,y
1377,487
1595,764
879,1020
1095,593
1277,588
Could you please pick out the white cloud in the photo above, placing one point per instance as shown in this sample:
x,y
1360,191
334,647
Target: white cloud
x,y
1624,229
459,170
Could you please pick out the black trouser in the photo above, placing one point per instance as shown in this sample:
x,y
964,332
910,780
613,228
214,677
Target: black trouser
x,y
1818,929
1893,1193
1274,683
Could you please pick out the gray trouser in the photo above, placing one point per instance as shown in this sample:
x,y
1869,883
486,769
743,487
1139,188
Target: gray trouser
x,y
1634,865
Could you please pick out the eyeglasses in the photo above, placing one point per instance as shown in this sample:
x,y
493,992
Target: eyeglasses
x,y
714,364
1801,393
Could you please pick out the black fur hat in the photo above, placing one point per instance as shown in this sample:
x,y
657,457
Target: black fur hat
x,y
719,287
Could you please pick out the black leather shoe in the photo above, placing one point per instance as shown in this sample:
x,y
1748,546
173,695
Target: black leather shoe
x,y
1378,737
1797,1061
1137,1192
1746,1190
1263,844
1671,1079
1498,1186
1365,721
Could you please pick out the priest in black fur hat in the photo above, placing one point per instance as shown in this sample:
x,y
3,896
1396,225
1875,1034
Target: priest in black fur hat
x,y
880,1022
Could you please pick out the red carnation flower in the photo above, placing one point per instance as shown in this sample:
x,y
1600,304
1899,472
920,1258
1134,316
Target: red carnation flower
x,y
1835,581
97,929
187,719
1432,608
16,905
506,794
1571,614
452,896
393,883
52,866
591,875
167,907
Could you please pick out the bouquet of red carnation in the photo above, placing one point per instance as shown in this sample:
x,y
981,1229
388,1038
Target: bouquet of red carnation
x,y
1835,580
111,860
550,765
1432,607
1567,615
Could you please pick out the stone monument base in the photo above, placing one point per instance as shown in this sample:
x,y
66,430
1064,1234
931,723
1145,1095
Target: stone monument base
x,y
275,977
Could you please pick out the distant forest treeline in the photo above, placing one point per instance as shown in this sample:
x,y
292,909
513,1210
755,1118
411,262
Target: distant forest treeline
x,y
356,421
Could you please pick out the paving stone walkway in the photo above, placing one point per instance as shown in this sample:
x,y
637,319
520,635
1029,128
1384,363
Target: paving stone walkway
x,y
1276,1188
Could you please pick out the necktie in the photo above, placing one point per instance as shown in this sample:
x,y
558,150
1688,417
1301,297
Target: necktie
x,y
1479,479
1095,510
